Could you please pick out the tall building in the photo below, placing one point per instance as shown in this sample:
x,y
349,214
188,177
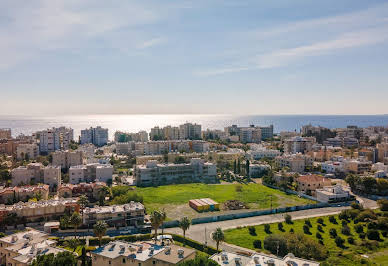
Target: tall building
x,y
27,151
251,133
97,136
54,139
190,131
298,144
140,136
5,133
65,159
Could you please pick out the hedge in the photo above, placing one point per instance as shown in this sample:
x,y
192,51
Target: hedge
x,y
194,244
93,241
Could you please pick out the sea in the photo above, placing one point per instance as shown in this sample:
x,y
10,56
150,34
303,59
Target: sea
x,y
134,123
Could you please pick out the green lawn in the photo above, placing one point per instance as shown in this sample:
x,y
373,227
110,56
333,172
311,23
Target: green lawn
x,y
174,198
349,255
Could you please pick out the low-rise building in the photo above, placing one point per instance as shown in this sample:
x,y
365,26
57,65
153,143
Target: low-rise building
x,y
332,167
294,162
52,176
357,166
140,254
130,214
35,173
332,194
234,259
90,173
22,248
196,171
91,190
10,195
66,159
27,151
262,152
309,183
258,170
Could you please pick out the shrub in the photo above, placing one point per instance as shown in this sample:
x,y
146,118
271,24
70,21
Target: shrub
x,y
320,241
344,222
351,240
358,228
366,215
276,244
319,228
333,232
382,223
383,204
292,230
288,219
280,226
332,219
373,234
318,235
320,221
372,225
267,228
308,223
257,244
252,230
339,241
356,206
362,235
371,245
345,230
306,229
194,244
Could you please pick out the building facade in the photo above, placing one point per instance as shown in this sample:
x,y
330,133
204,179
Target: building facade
x,y
97,136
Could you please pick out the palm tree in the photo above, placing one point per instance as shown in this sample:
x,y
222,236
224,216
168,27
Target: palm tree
x,y
102,193
99,229
184,224
75,220
218,236
157,218
83,202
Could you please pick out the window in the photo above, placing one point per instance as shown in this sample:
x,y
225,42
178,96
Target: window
x,y
154,262
110,262
123,260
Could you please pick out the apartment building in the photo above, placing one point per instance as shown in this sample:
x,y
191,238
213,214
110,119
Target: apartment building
x,y
20,249
90,173
309,183
130,214
91,190
140,254
162,147
257,170
54,139
66,159
190,131
357,166
35,173
43,209
332,167
140,136
262,152
251,131
153,173
234,259
9,146
5,133
298,144
27,151
250,134
10,195
97,136
382,152
294,162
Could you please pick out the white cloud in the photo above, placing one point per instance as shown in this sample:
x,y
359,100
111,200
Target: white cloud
x,y
152,42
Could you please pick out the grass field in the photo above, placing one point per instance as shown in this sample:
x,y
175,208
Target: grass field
x,y
174,198
348,255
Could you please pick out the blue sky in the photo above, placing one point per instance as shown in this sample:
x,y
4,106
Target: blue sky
x,y
220,56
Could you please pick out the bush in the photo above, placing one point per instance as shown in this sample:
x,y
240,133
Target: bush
x,y
344,223
356,206
373,234
319,228
257,244
372,225
267,228
333,232
252,230
351,240
332,219
358,228
308,223
383,204
306,229
318,235
280,226
288,219
339,241
320,241
320,221
194,244
345,230
371,245
292,230
384,233
362,235
366,215
276,244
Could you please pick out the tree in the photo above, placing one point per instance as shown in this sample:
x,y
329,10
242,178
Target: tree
x,y
200,260
63,258
247,168
75,220
373,234
238,166
64,222
257,243
83,202
333,232
218,236
157,219
383,204
72,243
339,241
288,219
184,224
234,167
99,230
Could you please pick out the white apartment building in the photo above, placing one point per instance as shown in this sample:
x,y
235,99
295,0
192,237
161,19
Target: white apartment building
x,y
262,152
295,162
332,194
140,136
21,248
298,144
68,158
257,170
90,173
332,167
264,132
190,131
97,136
35,173
163,147
130,214
125,148
250,134
54,139
195,171
27,150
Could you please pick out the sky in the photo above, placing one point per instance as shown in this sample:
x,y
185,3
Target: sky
x,y
193,57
